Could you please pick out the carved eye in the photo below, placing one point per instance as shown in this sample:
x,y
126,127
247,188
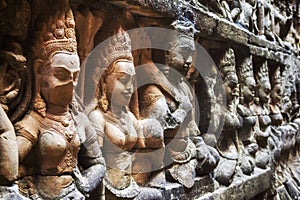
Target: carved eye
x,y
124,78
61,74
186,51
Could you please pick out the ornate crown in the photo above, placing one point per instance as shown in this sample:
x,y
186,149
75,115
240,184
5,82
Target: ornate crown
x,y
246,70
263,73
117,47
57,35
276,78
185,28
185,23
227,63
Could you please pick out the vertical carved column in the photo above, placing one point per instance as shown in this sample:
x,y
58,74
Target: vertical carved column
x,y
58,170
133,148
226,145
247,142
260,108
283,130
260,17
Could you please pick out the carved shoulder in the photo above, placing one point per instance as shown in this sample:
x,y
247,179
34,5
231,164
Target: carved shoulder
x,y
98,122
29,127
5,122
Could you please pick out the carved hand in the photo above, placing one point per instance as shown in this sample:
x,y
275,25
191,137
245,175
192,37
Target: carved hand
x,y
81,183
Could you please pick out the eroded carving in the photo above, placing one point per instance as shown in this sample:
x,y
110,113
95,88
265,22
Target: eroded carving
x,y
248,146
260,108
53,140
226,145
132,148
11,65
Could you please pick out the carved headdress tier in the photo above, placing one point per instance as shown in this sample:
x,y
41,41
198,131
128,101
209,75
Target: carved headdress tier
x,y
227,63
118,47
276,77
185,28
185,23
57,35
246,69
263,73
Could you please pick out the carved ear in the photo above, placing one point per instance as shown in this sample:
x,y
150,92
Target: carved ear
x,y
38,66
103,102
39,104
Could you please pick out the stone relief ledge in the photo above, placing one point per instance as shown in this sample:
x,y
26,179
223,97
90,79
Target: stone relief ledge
x,y
284,58
247,187
209,24
134,7
202,186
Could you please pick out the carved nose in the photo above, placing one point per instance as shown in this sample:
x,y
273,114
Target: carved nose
x,y
128,89
189,60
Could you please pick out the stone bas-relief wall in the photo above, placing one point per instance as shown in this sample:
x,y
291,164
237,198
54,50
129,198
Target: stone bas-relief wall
x,y
90,111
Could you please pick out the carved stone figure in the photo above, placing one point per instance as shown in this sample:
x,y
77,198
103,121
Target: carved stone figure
x,y
170,102
276,94
226,145
282,18
294,162
10,65
229,9
248,146
266,20
215,6
179,58
59,154
275,112
284,24
260,108
247,16
215,116
275,139
132,148
285,131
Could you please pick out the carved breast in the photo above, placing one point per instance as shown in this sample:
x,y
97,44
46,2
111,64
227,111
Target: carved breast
x,y
249,121
122,138
276,119
264,121
57,149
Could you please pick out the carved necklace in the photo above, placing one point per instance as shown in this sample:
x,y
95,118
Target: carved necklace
x,y
121,121
64,120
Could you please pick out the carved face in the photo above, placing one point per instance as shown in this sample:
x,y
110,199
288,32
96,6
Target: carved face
x,y
264,92
228,60
249,89
286,104
276,93
180,57
58,78
231,87
120,83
